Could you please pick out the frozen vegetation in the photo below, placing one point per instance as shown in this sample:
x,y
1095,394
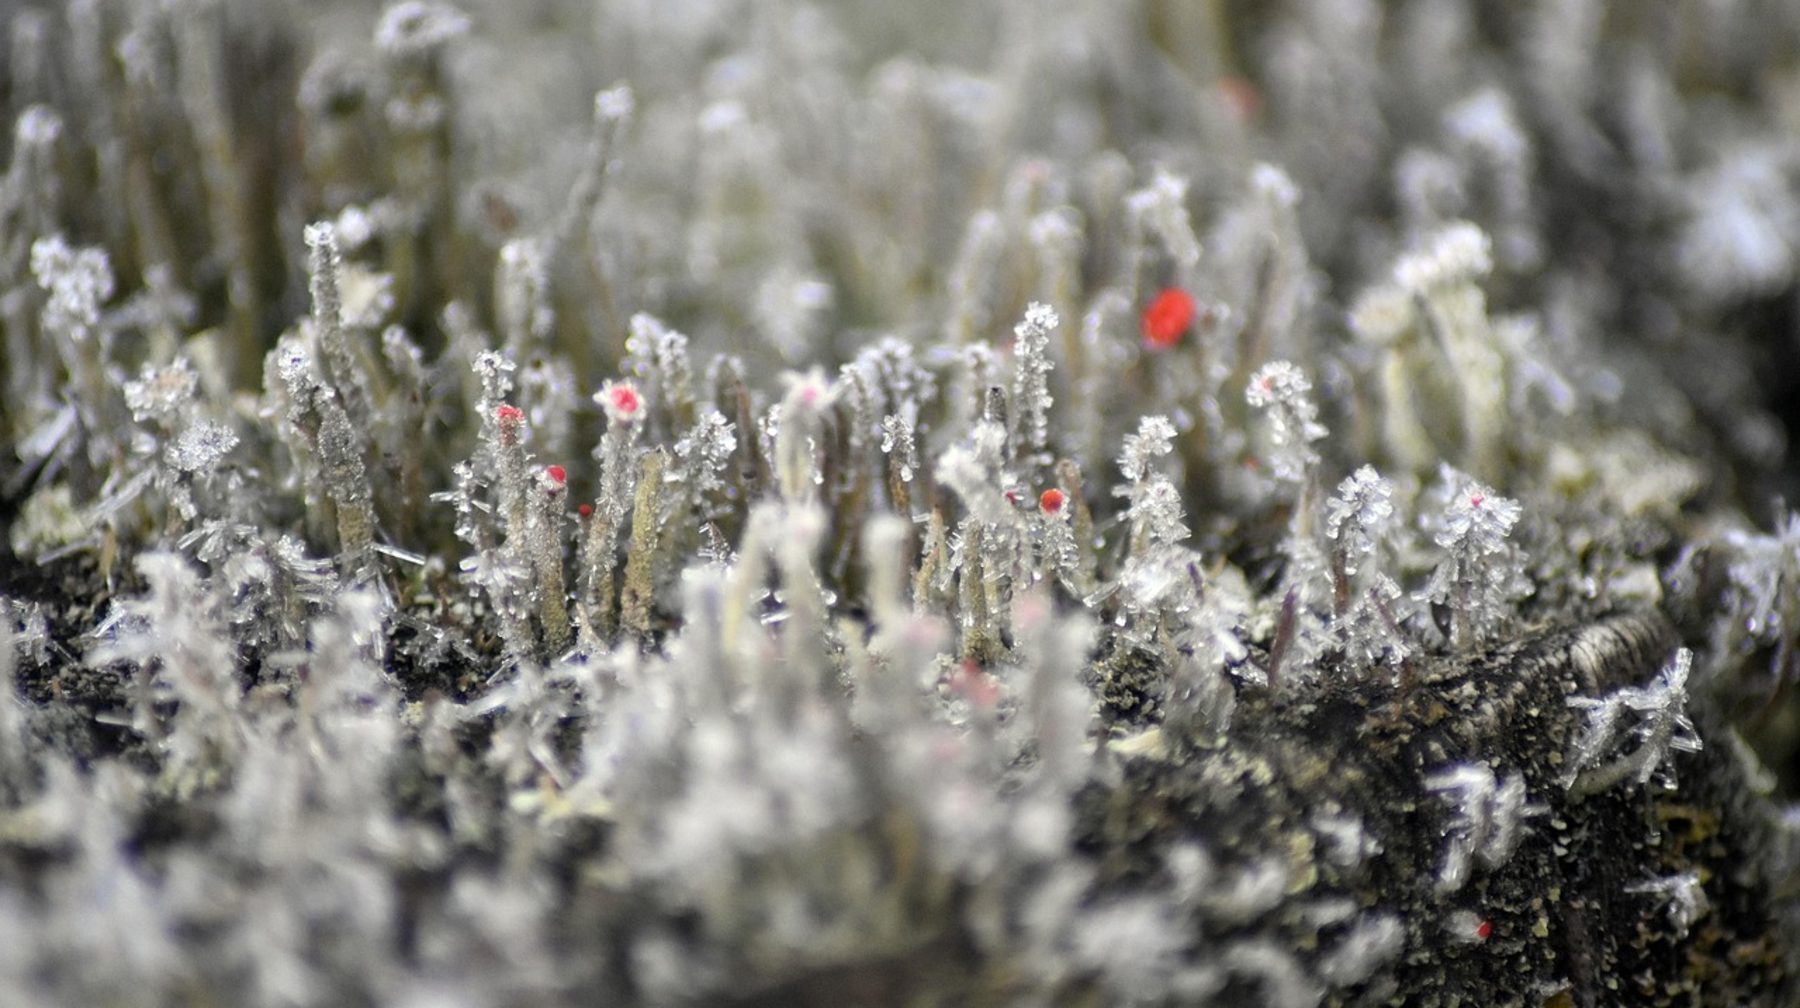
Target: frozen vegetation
x,y
1049,502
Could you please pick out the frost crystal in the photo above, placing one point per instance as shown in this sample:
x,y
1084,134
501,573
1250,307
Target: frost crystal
x,y
38,125
494,372
77,280
1661,727
897,436
524,290
200,447
1369,628
162,394
1155,437
702,454
1683,896
623,404
1764,594
1739,239
1478,520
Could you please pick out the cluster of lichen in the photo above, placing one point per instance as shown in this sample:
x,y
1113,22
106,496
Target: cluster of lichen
x,y
665,499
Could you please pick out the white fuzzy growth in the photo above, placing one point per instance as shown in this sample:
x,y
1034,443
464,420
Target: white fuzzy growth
x,y
1487,819
1459,253
1743,225
414,29
1162,208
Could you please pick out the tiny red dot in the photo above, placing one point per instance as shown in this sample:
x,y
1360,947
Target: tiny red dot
x,y
508,413
585,510
556,473
1475,500
1051,501
1485,928
1167,318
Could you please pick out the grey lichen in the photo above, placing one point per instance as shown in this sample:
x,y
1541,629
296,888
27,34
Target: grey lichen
x,y
763,503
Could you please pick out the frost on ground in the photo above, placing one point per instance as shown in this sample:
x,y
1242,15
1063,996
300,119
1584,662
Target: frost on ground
x,y
767,504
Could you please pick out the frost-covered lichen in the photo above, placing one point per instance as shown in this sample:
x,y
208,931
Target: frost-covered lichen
x,y
778,503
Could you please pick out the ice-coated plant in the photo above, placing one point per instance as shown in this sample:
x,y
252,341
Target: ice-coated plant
x,y
1031,389
1480,573
1280,389
1367,613
810,504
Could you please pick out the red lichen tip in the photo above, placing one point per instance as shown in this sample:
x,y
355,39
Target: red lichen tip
x,y
1167,318
557,474
585,510
507,413
1484,930
1051,501
622,402
1241,98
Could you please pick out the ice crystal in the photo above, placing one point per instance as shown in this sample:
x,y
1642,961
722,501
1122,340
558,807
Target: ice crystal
x,y
163,394
1371,627
934,669
1633,733
1154,438
200,447
1763,575
623,404
1478,520
658,357
78,281
614,103
1683,898
702,453
897,440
